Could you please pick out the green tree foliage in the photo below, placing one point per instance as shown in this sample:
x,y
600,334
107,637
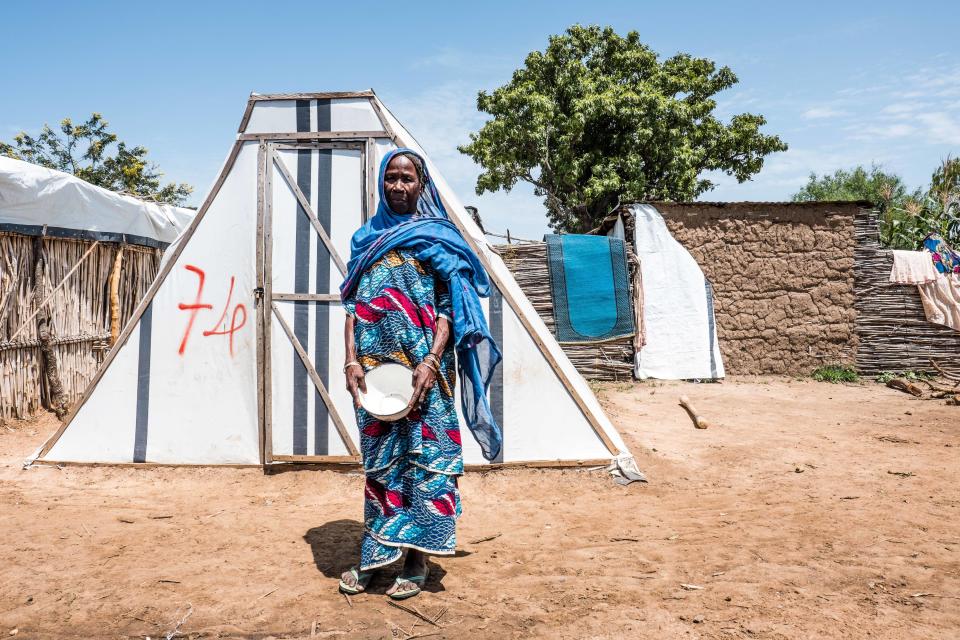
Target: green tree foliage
x,y
943,199
82,150
874,185
597,119
906,217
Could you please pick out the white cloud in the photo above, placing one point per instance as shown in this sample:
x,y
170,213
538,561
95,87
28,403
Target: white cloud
x,y
885,130
785,173
859,91
902,108
941,127
919,106
458,59
821,113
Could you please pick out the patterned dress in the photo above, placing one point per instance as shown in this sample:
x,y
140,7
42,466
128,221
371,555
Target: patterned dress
x,y
411,465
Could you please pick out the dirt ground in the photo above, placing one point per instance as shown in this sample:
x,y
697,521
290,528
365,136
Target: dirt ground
x,y
805,510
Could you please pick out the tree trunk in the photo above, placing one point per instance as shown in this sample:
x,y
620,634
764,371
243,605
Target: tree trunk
x,y
51,368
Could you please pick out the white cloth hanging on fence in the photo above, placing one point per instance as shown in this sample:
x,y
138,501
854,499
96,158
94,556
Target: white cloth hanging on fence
x,y
941,300
912,267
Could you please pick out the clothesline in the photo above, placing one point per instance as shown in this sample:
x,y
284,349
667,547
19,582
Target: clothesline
x,y
509,238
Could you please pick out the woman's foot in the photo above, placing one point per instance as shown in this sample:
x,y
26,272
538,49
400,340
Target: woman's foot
x,y
355,581
412,578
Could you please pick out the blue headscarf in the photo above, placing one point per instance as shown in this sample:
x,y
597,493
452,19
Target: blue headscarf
x,y
438,243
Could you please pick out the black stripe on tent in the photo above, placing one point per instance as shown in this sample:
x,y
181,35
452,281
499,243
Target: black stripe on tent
x,y
710,327
143,386
301,284
321,310
321,359
39,230
323,114
496,384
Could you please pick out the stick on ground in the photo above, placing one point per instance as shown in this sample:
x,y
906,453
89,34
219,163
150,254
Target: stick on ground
x,y
698,421
412,612
906,387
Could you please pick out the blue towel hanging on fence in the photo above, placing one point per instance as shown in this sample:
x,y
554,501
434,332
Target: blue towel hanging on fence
x,y
590,288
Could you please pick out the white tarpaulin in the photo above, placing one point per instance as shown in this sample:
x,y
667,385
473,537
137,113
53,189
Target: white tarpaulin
x,y
681,335
33,197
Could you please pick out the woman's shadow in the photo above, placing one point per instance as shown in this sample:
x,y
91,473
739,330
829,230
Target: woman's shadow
x,y
336,547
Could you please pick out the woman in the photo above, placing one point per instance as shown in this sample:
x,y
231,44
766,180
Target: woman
x,y
412,297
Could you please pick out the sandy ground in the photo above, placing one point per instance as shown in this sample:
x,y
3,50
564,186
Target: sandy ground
x,y
806,510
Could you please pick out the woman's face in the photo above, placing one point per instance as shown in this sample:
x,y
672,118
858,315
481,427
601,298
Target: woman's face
x,y
401,185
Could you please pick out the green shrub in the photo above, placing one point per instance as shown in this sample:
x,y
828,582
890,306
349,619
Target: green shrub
x,y
914,376
835,373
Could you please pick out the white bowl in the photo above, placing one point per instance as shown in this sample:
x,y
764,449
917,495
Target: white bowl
x,y
389,390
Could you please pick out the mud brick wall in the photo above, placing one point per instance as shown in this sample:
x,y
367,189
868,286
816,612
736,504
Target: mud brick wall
x,y
783,280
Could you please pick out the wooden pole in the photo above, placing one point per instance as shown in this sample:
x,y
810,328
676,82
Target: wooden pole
x,y
115,296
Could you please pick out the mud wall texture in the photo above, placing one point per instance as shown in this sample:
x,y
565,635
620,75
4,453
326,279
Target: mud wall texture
x,y
783,280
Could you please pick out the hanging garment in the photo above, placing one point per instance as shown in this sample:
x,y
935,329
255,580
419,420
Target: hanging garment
x,y
590,288
941,300
945,259
912,267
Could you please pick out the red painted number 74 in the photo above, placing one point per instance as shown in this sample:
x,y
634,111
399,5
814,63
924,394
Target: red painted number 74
x,y
238,318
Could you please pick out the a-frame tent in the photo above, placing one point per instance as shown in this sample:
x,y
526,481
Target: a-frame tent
x,y
235,354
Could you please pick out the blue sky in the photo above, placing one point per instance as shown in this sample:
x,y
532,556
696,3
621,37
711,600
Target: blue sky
x,y
842,82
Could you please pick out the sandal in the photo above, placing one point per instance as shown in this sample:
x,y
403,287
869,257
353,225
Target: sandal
x,y
417,581
362,580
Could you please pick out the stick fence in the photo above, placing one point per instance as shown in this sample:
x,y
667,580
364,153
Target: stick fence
x,y
605,361
79,312
893,331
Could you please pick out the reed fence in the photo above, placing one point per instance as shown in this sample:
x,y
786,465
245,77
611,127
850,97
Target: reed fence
x,y
892,329
55,314
611,360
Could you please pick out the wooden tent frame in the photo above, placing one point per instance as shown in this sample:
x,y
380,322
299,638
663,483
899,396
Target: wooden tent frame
x,y
268,142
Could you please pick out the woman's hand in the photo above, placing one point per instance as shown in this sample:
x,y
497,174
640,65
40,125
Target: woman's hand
x,y
423,379
356,382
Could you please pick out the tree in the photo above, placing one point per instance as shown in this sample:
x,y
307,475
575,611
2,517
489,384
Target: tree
x,y
82,150
906,217
881,189
597,119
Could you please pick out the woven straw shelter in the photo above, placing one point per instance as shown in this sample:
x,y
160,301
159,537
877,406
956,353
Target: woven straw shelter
x,y
75,260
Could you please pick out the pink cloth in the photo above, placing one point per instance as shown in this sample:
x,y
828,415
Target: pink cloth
x,y
941,300
912,267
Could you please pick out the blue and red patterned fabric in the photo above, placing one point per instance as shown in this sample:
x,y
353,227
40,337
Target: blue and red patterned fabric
x,y
411,465
945,259
438,245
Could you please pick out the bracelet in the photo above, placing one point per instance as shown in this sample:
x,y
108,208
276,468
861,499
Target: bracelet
x,y
433,358
352,363
430,366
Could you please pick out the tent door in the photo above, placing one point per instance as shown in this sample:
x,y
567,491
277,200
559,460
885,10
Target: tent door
x,y
312,197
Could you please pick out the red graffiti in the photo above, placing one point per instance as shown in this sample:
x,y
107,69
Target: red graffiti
x,y
234,327
237,319
194,308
